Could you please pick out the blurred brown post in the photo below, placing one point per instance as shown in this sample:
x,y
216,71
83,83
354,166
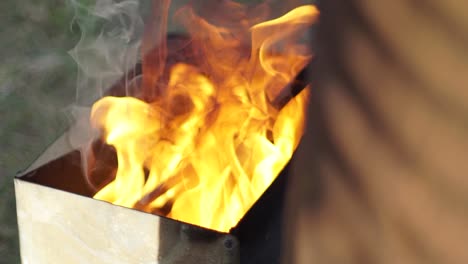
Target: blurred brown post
x,y
381,175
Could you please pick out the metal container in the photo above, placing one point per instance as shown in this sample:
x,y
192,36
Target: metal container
x,y
60,222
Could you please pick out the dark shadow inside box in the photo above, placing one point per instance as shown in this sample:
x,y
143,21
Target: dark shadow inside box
x,y
64,173
260,230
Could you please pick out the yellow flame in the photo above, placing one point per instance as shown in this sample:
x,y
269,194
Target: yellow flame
x,y
214,143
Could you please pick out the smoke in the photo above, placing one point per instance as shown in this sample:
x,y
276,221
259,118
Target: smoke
x,y
111,33
109,47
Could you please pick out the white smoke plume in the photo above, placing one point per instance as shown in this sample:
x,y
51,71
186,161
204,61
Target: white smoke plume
x,y
109,46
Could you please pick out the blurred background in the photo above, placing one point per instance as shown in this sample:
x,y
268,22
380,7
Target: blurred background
x,y
37,84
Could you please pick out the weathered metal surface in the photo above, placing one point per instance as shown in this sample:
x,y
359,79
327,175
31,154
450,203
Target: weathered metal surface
x,y
60,223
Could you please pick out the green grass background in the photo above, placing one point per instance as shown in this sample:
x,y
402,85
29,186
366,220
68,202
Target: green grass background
x,y
37,79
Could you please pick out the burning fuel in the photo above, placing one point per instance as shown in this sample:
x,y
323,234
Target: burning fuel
x,y
204,140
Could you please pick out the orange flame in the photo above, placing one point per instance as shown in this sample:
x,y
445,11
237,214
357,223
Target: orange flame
x,y
212,143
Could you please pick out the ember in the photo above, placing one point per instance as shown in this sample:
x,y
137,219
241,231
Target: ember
x,y
205,139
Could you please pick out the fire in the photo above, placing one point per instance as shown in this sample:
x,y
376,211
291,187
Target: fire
x,y
207,146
